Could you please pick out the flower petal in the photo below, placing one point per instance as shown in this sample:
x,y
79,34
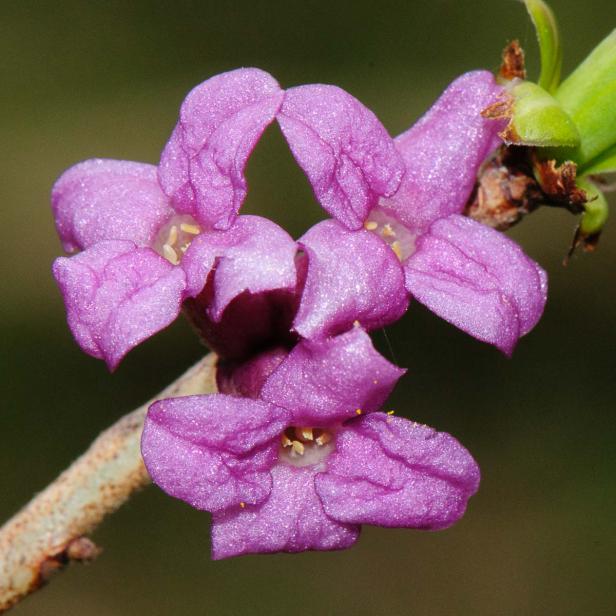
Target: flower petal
x,y
103,199
253,255
324,382
345,151
246,377
221,120
117,295
443,151
291,520
213,451
351,276
477,279
392,472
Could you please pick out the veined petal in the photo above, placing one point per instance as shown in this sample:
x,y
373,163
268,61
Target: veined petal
x,y
212,451
351,276
443,151
389,471
221,120
327,381
117,295
290,520
254,255
103,199
477,279
346,153
224,423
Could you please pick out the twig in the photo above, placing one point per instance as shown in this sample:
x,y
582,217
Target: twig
x,y
49,532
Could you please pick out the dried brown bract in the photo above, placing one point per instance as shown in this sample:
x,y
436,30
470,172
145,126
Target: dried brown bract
x,y
558,184
513,65
505,191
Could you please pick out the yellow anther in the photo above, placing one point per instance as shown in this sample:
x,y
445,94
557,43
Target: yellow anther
x,y
356,323
358,411
395,246
323,439
170,254
304,433
191,229
370,225
285,440
242,504
173,235
390,412
388,231
298,447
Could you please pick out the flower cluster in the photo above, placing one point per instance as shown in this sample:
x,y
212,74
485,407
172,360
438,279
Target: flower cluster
x,y
294,452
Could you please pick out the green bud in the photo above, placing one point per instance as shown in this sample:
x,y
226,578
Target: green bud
x,y
537,118
589,96
549,43
595,209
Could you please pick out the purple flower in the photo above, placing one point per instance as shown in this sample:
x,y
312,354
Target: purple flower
x,y
467,273
302,466
153,238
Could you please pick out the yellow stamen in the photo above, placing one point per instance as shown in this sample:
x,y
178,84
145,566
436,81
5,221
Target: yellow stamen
x,y
191,229
242,504
173,235
370,225
395,246
324,438
298,447
304,433
388,231
285,440
390,412
358,411
170,254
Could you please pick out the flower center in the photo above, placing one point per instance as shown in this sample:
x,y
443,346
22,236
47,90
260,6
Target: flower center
x,y
303,446
392,232
175,238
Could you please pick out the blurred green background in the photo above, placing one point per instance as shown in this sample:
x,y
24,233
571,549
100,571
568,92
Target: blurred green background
x,y
83,79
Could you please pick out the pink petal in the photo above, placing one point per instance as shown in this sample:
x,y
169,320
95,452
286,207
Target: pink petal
x,y
389,471
477,279
221,120
352,276
103,199
291,520
213,451
117,295
246,378
324,382
347,154
253,255
443,151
